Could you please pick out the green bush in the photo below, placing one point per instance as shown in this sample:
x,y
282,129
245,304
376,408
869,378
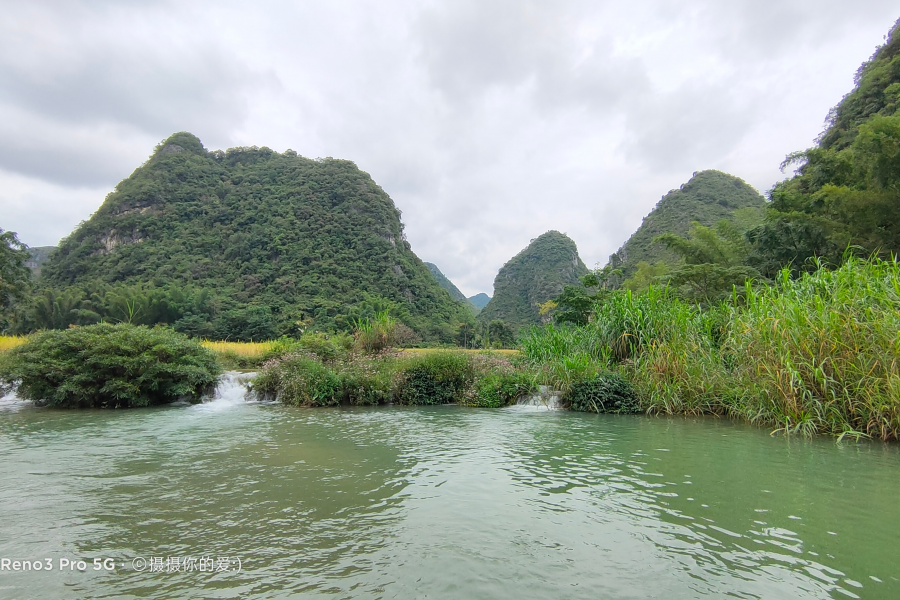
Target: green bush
x,y
368,380
606,393
436,378
109,366
500,389
376,333
299,380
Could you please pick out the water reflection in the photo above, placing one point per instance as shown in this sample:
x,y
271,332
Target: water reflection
x,y
443,502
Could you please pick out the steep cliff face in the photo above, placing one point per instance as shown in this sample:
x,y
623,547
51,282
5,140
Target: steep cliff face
x,y
536,274
308,239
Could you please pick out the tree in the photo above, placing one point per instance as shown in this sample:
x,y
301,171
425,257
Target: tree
x,y
576,303
15,276
714,261
501,334
646,275
465,336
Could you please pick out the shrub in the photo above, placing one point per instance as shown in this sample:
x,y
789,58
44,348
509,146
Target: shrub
x,y
299,380
375,334
500,389
109,366
606,393
436,378
368,380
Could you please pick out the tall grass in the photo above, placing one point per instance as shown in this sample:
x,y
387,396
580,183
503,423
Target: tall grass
x,y
819,354
376,333
822,353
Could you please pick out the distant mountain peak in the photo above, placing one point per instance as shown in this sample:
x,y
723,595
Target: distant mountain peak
x,y
536,274
708,197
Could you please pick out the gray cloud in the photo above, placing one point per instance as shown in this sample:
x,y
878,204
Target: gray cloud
x,y
487,122
105,79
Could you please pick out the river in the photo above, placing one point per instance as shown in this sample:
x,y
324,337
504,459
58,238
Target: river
x,y
436,502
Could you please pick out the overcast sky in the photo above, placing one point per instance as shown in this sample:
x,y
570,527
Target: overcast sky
x,y
488,122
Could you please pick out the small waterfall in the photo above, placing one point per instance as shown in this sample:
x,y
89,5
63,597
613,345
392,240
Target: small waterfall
x,y
545,398
230,390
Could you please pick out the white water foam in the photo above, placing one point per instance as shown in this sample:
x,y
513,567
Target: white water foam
x,y
231,390
544,399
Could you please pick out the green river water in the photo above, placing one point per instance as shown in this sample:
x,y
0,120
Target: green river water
x,y
437,502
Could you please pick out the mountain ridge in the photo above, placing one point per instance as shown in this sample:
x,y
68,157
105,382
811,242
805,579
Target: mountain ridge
x,y
536,274
707,198
315,242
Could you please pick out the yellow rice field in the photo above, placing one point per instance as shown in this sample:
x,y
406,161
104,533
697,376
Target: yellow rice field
x,y
245,349
8,342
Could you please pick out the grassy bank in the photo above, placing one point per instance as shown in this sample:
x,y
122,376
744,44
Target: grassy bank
x,y
485,379
818,354
814,355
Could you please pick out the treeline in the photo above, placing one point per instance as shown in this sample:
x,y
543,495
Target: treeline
x,y
198,312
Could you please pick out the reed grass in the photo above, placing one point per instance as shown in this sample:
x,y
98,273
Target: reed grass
x,y
814,355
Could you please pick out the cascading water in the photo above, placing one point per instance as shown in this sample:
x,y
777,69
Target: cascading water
x,y
544,398
230,390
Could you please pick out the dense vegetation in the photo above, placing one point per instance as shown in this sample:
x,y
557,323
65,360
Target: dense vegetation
x,y
15,277
300,378
707,199
242,244
480,300
108,366
532,277
450,287
815,354
846,191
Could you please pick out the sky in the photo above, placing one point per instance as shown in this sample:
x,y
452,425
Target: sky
x,y
488,122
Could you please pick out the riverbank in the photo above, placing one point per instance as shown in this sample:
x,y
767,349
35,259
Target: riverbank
x,y
815,355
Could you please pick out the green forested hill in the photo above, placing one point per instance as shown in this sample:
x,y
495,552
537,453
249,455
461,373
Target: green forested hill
x,y
449,286
846,192
533,276
38,256
250,235
707,198
480,300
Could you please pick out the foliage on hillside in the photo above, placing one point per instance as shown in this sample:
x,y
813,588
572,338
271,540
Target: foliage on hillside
x,y
532,277
709,197
15,278
846,192
246,243
479,300
37,256
450,287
